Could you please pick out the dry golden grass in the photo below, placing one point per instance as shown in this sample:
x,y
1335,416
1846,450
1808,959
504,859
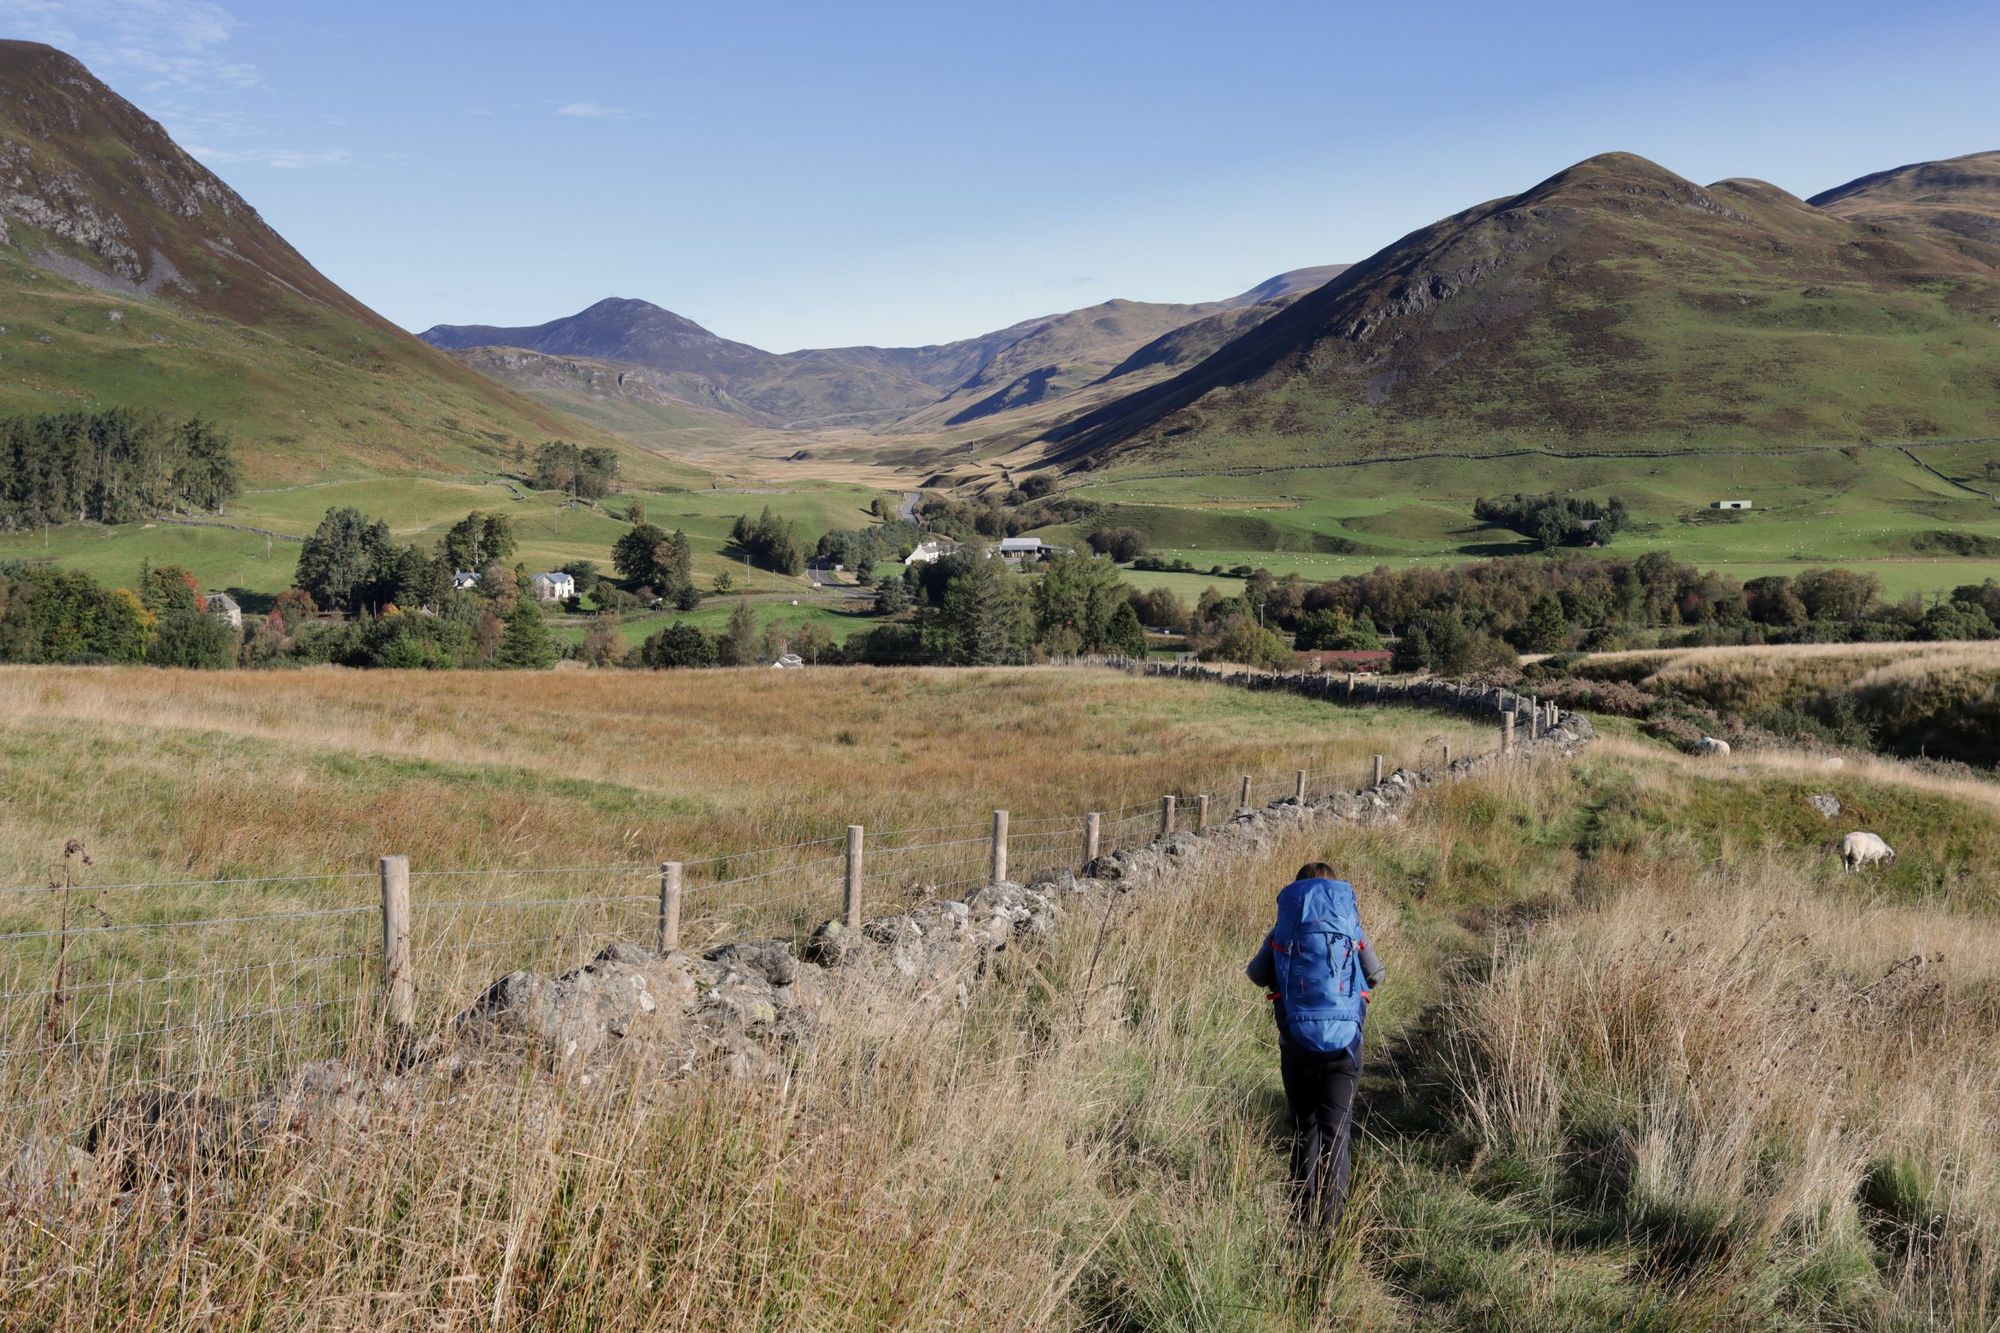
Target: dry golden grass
x,y
1093,1144
1828,772
1645,1058
1743,680
1768,1079
197,775
535,810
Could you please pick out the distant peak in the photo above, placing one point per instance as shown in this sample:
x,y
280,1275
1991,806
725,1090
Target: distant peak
x,y
1612,167
621,304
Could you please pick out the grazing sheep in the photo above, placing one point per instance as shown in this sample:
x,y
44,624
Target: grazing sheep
x,y
1865,849
1710,745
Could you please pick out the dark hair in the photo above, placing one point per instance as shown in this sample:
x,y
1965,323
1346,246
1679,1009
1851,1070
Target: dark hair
x,y
1315,870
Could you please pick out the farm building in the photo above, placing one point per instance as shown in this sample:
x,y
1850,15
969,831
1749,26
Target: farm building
x,y
222,604
463,579
1022,548
554,587
1730,504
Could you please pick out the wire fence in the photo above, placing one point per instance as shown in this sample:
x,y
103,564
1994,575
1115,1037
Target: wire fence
x,y
113,991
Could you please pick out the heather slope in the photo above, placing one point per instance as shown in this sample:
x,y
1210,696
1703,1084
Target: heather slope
x,y
1613,304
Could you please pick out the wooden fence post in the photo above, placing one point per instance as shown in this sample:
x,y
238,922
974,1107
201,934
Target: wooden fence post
x,y
1167,804
999,846
1299,788
398,982
1378,770
1201,813
1447,754
1093,829
852,897
670,905
1244,804
1506,733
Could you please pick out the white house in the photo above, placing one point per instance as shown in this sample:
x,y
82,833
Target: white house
x,y
1023,548
788,662
936,548
1730,504
464,578
554,587
223,605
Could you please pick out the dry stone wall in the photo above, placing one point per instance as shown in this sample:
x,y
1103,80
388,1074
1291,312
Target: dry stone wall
x,y
746,1009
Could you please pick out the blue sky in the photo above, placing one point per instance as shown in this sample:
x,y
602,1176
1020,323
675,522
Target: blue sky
x,y
821,172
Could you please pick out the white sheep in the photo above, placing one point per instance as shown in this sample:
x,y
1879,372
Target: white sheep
x,y
1710,745
1865,849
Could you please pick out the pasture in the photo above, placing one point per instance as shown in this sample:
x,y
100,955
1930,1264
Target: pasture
x,y
1872,508
420,510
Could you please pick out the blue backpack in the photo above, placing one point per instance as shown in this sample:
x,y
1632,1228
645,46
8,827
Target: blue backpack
x,y
1317,948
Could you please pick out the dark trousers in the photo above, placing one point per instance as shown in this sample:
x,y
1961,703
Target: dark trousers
x,y
1319,1090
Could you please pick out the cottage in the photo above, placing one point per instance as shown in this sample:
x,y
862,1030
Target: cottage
x,y
464,579
934,548
223,605
555,587
1022,549
788,662
1730,504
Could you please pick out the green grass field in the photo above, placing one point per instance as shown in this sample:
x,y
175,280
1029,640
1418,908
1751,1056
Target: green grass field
x,y
421,509
1867,508
840,620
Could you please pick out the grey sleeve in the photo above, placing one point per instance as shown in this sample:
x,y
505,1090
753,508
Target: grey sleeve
x,y
1263,968
1371,966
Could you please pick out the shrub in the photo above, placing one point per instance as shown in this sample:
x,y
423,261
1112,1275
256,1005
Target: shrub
x,y
678,646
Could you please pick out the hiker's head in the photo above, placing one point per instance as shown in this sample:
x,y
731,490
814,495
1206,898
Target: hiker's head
x,y
1316,870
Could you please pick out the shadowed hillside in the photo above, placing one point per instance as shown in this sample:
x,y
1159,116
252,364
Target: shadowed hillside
x,y
1959,197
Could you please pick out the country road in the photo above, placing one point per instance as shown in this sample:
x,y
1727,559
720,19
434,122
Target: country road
x,y
823,579
908,513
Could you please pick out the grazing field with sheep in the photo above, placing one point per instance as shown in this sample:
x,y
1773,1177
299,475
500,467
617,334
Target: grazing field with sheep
x,y
1647,1054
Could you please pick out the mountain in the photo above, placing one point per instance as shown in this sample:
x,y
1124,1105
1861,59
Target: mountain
x,y
131,275
631,402
1612,304
802,389
904,388
1959,197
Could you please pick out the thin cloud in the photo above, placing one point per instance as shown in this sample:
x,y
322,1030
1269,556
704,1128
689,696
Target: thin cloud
x,y
160,44
598,111
289,159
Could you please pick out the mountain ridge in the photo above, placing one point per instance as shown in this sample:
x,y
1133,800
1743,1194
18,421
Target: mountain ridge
x,y
940,384
1611,298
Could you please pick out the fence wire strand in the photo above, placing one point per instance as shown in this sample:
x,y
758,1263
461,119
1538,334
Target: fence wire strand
x,y
126,1005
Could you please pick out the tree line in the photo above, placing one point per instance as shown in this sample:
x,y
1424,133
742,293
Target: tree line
x,y
1555,520
114,466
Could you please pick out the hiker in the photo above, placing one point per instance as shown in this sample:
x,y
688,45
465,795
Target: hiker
x,y
1320,973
